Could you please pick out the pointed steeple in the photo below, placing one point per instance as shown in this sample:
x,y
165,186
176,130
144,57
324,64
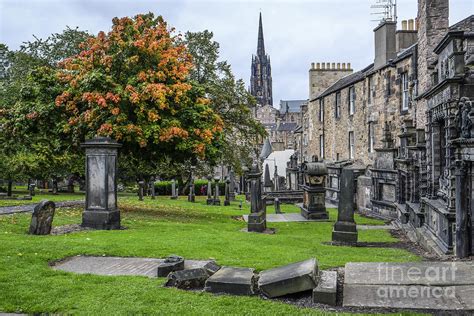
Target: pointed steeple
x,y
260,44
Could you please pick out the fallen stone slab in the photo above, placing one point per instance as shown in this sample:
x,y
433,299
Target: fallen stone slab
x,y
172,263
188,279
211,267
326,291
229,280
292,278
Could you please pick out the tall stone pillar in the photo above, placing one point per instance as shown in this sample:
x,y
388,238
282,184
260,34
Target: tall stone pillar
x,y
217,201
267,182
227,192
257,218
345,229
192,194
174,194
462,209
101,210
209,200
232,185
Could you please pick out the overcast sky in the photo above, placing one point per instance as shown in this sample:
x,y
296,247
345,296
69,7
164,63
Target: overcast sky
x,y
297,32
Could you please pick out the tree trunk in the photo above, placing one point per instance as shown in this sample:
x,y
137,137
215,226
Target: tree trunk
x,y
10,187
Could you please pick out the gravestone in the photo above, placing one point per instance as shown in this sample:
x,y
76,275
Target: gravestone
x,y
141,185
101,210
314,191
152,188
228,280
345,229
192,194
174,194
209,200
227,193
42,218
171,264
217,201
289,279
276,179
31,188
277,206
257,217
232,185
267,182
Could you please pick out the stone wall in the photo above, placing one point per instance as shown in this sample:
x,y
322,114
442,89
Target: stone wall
x,y
322,75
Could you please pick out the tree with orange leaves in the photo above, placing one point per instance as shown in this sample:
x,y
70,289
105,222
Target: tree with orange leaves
x,y
131,84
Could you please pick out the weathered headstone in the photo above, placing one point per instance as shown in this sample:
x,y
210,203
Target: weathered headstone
x,y
209,200
292,278
42,218
345,229
276,180
192,194
227,193
141,186
174,194
152,188
31,188
267,182
314,192
217,201
257,217
277,206
326,291
236,281
232,185
101,210
172,263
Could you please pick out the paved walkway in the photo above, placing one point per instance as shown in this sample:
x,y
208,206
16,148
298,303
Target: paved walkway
x,y
119,265
417,285
4,210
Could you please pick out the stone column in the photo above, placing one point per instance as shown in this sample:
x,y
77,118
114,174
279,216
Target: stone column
x,y
141,185
227,192
462,218
101,210
257,218
174,196
345,229
217,201
191,195
209,200
232,185
276,180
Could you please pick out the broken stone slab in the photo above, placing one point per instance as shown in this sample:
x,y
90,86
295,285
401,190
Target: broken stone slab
x,y
326,291
188,279
229,280
211,267
292,278
42,218
172,263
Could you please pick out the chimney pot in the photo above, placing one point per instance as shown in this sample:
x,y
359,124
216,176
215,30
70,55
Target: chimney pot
x,y
323,65
328,66
318,65
343,65
411,26
404,25
338,65
333,66
349,66
312,65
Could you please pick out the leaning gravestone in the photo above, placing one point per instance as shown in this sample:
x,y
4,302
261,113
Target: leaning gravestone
x,y
42,218
345,229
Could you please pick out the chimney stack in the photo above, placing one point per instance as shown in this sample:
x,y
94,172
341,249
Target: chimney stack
x,y
407,36
385,46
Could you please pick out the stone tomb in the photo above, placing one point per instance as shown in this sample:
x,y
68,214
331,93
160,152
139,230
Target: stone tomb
x,y
228,280
42,218
314,196
289,279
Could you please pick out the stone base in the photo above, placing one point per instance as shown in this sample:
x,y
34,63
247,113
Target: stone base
x,y
101,219
257,222
217,202
346,237
308,214
210,201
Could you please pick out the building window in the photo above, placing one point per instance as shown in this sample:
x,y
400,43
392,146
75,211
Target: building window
x,y
388,87
369,90
321,146
321,110
351,100
371,137
351,145
404,79
337,112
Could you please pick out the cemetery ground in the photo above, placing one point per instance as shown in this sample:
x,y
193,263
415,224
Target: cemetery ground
x,y
156,229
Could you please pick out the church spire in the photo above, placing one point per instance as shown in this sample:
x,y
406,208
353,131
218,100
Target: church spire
x,y
260,44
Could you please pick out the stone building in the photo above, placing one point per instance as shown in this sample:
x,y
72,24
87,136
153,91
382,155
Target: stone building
x,y
400,122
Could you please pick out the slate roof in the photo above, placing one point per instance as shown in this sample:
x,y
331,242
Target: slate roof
x,y
464,25
292,105
287,127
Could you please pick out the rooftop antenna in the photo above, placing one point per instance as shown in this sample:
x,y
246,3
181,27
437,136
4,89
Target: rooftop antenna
x,y
385,10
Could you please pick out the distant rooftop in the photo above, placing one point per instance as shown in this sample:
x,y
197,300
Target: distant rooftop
x,y
291,105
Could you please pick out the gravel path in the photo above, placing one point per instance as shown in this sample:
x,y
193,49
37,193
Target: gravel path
x,y
29,207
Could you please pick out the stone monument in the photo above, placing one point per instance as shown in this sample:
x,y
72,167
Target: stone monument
x,y
209,200
141,186
267,182
31,188
257,218
42,218
314,191
227,192
101,210
191,195
232,185
217,201
152,188
345,229
174,194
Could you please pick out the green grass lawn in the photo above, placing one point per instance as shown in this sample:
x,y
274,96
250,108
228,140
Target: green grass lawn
x,y
157,228
41,196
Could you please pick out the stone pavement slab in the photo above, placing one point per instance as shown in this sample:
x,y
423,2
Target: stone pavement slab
x,y
416,285
28,208
119,265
